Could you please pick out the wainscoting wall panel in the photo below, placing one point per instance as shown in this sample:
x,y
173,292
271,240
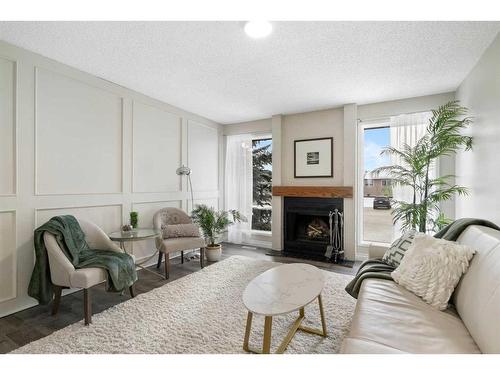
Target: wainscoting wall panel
x,y
156,152
109,218
8,272
7,127
203,154
210,202
87,147
89,119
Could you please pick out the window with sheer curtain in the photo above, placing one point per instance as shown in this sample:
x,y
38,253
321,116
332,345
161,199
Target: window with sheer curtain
x,y
248,186
239,185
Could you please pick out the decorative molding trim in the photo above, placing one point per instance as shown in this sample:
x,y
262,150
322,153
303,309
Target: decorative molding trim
x,y
15,174
158,201
180,118
35,140
14,259
217,131
36,210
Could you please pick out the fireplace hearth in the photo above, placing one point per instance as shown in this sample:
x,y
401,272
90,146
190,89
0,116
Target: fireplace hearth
x,y
307,227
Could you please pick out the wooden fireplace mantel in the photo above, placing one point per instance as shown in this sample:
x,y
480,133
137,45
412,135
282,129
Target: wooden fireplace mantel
x,y
313,191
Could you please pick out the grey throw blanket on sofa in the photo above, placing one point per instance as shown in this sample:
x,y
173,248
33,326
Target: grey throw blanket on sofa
x,y
376,268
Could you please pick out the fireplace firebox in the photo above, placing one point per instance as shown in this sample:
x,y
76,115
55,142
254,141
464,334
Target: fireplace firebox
x,y
307,228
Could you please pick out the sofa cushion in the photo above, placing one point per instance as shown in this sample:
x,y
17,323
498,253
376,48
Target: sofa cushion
x,y
171,245
388,319
87,277
361,346
398,248
432,268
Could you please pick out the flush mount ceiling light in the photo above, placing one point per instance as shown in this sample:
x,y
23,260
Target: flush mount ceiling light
x,y
258,29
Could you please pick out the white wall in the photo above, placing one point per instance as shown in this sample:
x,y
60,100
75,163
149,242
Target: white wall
x,y
327,123
254,127
71,143
350,168
277,202
408,105
478,170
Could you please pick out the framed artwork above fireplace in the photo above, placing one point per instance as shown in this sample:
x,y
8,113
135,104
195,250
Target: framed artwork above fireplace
x,y
313,157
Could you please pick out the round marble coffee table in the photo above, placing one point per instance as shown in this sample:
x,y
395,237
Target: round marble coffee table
x,y
282,290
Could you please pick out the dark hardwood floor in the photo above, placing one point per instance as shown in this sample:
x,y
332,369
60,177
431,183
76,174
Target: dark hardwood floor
x,y
34,323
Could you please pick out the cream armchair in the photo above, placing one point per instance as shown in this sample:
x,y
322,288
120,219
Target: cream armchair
x,y
172,216
64,275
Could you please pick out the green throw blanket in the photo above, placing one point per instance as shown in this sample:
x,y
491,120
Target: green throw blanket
x,y
376,268
120,267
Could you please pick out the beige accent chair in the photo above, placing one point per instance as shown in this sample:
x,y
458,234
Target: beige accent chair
x,y
64,275
173,216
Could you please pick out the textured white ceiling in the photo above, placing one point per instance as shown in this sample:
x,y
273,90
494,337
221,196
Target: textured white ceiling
x,y
213,69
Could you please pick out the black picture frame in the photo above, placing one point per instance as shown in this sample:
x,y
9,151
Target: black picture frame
x,y
311,158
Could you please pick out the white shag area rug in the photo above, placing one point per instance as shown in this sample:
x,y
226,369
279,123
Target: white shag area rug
x,y
201,313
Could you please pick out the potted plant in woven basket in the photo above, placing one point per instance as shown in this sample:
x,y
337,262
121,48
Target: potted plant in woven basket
x,y
212,224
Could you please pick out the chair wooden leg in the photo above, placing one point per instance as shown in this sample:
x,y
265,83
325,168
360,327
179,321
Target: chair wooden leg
x,y
167,265
131,290
57,299
182,257
160,255
202,256
87,306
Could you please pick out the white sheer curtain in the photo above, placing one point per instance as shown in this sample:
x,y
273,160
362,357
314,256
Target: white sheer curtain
x,y
407,129
239,184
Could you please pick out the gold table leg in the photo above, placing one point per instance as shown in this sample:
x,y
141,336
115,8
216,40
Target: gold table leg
x,y
322,314
291,333
268,325
266,347
316,331
248,328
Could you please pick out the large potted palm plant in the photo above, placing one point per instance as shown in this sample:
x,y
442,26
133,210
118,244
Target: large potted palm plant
x,y
212,224
444,137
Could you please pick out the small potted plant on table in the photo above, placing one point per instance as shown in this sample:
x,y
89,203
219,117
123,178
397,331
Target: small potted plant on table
x,y
212,224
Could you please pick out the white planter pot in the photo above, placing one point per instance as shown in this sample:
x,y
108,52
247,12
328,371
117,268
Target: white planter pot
x,y
213,254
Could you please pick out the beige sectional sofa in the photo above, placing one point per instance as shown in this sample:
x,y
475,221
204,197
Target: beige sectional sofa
x,y
390,319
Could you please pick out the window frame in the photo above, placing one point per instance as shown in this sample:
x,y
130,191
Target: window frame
x,y
266,137
362,126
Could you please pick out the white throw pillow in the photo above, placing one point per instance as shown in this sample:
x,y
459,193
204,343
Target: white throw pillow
x,y
432,268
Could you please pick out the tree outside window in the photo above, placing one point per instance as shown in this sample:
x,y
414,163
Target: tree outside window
x,y
262,184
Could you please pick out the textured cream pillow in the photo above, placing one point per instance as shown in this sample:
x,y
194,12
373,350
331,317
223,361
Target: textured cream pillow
x,y
432,268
